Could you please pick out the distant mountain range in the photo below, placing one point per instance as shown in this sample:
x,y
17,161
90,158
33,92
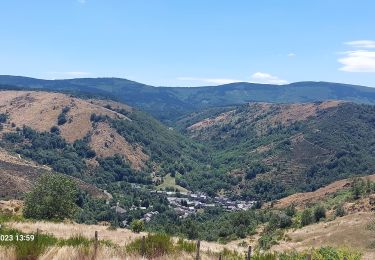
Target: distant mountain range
x,y
169,103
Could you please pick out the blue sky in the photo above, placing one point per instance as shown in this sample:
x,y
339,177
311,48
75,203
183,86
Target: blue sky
x,y
190,42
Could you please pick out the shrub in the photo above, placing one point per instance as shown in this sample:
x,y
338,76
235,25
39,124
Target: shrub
x,y
53,197
97,118
279,220
153,246
55,130
137,226
291,211
319,213
13,137
340,211
61,119
306,217
358,188
3,118
65,110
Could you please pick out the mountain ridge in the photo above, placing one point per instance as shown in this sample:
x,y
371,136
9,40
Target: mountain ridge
x,y
170,103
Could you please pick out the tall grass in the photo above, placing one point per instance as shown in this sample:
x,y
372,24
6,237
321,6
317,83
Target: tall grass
x,y
185,245
27,249
30,250
154,245
322,253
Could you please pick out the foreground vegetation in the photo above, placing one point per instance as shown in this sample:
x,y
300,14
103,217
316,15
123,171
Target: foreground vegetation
x,y
152,246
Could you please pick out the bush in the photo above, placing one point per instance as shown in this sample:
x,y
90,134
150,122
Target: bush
x,y
97,118
280,220
13,137
319,213
340,211
154,246
65,110
53,197
61,119
307,217
55,130
3,118
291,211
137,226
358,188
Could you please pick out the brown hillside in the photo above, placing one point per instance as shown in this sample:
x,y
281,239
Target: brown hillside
x,y
301,199
349,231
266,114
107,142
40,110
17,176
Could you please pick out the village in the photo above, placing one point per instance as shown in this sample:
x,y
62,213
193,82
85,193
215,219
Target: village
x,y
187,203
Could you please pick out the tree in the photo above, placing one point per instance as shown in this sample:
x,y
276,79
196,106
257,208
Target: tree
x,y
307,217
137,226
3,118
291,210
358,188
61,119
53,197
55,130
319,213
340,211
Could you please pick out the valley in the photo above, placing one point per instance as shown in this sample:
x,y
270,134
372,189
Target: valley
x,y
245,174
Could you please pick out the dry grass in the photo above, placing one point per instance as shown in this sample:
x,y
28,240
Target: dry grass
x,y
65,230
302,199
348,231
220,119
39,110
107,142
102,252
285,114
120,237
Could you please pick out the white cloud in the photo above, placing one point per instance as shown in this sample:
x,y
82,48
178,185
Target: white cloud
x,y
291,54
358,61
265,78
82,1
362,44
70,74
218,81
258,77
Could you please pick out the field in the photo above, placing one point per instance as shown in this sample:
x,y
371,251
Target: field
x,y
170,182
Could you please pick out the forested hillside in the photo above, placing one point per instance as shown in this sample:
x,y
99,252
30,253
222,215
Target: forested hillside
x,y
272,150
169,103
